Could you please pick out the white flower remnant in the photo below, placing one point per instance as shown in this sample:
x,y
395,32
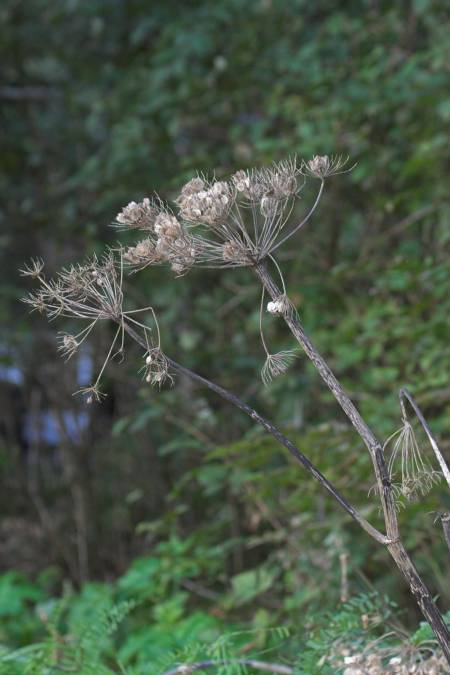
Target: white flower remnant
x,y
281,306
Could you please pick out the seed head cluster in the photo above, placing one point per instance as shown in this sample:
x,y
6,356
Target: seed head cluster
x,y
235,222
217,223
93,293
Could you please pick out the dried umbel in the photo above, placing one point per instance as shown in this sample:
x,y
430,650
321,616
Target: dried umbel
x,y
141,216
322,166
156,369
68,344
93,293
276,364
209,205
166,241
221,223
416,475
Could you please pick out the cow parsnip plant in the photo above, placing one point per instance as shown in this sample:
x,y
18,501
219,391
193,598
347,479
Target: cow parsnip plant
x,y
242,222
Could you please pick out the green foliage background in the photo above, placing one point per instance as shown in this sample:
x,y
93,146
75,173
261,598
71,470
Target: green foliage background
x,y
102,103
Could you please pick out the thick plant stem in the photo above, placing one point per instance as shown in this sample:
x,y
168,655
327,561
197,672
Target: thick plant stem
x,y
396,548
373,445
422,596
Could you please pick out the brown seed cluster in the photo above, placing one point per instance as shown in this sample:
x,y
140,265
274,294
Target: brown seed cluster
x,y
93,293
223,223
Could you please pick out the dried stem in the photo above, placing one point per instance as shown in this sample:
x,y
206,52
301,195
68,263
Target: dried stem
x,y
396,548
273,431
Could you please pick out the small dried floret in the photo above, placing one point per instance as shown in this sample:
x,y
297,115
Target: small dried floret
x,y
143,253
322,166
140,215
249,185
281,179
91,394
319,165
156,367
417,476
33,269
276,364
269,205
419,485
36,301
167,225
68,344
192,187
209,206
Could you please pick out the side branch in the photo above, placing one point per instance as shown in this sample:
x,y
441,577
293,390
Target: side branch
x,y
277,434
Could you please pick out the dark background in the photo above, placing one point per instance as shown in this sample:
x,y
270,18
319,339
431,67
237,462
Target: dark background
x,y
105,102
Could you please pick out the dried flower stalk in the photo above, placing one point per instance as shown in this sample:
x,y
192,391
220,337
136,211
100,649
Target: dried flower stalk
x,y
216,216
240,222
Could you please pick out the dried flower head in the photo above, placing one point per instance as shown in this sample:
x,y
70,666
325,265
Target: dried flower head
x,y
143,254
222,223
416,476
209,206
33,269
139,216
93,292
91,394
68,344
276,364
156,367
322,166
167,241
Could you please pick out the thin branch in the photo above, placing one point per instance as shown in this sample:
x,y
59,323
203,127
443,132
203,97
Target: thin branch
x,y
277,434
